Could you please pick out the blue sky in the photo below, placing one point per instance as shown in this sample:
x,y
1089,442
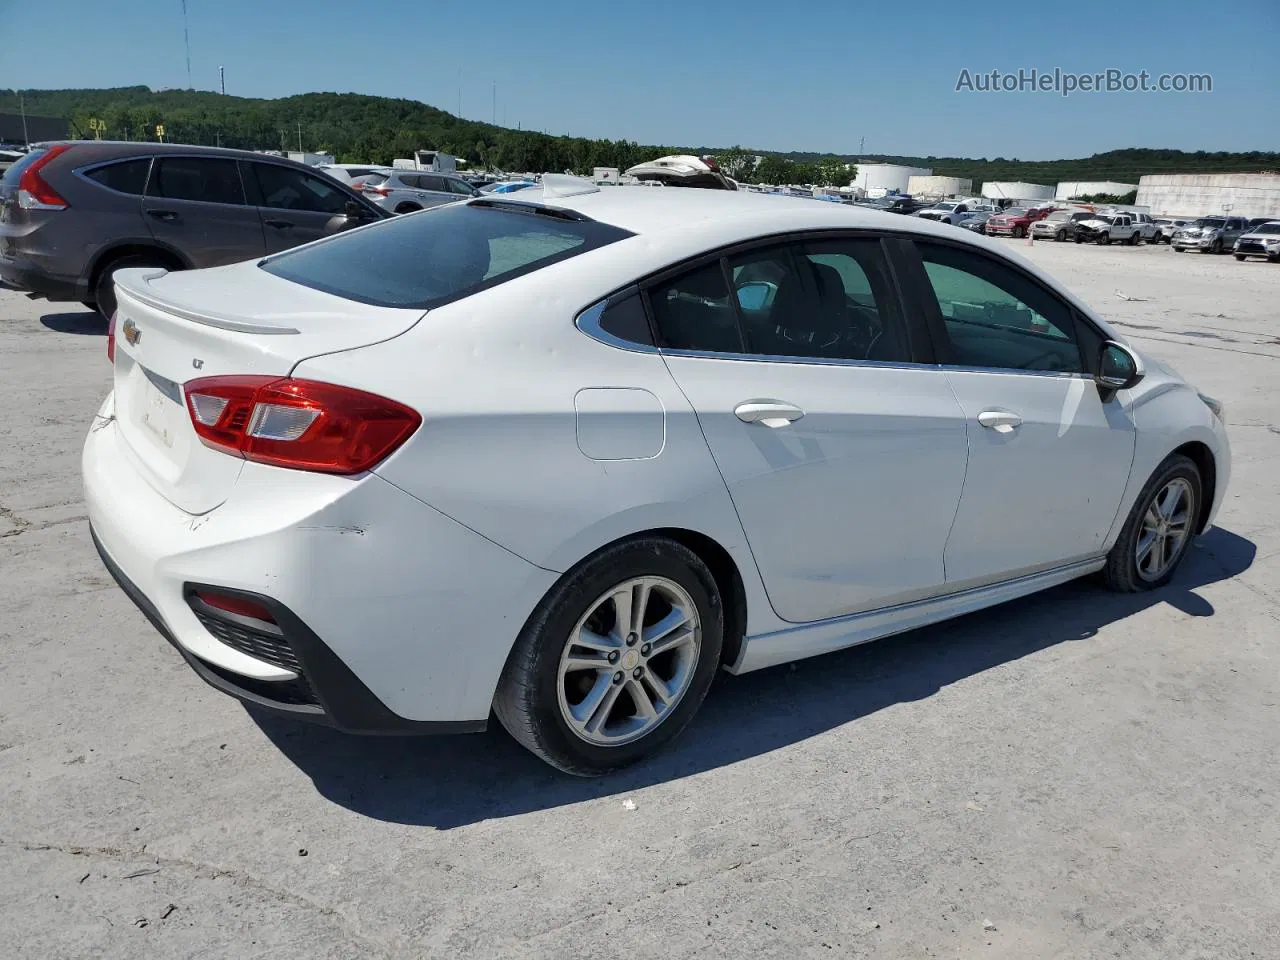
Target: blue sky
x,y
819,76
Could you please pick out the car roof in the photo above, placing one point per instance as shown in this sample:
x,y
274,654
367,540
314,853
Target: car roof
x,y
103,150
732,215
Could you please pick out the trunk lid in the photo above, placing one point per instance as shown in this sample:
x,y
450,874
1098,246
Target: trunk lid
x,y
175,327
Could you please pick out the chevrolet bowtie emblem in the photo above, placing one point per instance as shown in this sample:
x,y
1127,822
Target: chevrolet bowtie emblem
x,y
131,332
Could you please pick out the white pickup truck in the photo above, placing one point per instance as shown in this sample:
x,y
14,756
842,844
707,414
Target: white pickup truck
x,y
1108,227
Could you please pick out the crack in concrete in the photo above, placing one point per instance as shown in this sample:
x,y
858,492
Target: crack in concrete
x,y
244,879
22,525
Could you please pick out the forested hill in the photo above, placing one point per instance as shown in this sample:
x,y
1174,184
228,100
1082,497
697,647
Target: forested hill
x,y
360,128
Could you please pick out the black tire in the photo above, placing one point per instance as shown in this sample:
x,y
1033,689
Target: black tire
x,y
1121,572
1103,240
527,699
1133,240
1019,233
104,289
1239,256
1078,238
1060,236
1177,250
408,208
1216,247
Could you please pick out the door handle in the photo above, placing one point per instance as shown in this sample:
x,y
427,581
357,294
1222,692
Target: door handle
x,y
279,224
168,216
1001,421
768,413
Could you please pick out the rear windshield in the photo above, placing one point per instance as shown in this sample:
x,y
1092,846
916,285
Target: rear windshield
x,y
423,260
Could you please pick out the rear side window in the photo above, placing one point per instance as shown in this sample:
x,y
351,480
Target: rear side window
x,y
129,176
626,320
429,182
197,178
441,255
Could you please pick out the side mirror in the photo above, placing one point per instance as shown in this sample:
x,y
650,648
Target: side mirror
x,y
353,211
1119,368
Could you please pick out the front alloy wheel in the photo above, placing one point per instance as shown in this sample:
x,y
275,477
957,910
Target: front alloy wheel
x,y
1159,528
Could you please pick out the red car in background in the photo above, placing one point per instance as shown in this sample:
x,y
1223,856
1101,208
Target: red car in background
x,y
1015,221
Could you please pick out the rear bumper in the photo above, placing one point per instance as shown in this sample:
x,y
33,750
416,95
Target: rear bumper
x,y
30,277
400,619
337,696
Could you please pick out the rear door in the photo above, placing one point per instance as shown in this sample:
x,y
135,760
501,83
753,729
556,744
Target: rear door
x,y
435,190
1048,458
197,206
843,455
294,206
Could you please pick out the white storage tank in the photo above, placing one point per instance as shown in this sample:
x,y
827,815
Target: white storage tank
x,y
877,179
939,187
1087,188
1006,190
1206,194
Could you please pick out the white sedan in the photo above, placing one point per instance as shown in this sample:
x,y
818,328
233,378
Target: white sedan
x,y
563,455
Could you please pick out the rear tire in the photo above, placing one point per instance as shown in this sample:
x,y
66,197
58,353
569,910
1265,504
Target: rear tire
x,y
1151,526
408,208
1216,248
1177,249
104,288
549,706
1239,256
1019,233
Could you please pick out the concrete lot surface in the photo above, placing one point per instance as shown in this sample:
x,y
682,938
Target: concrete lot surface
x,y
1074,775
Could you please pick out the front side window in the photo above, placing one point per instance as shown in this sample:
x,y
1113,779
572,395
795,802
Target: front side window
x,y
431,182
128,176
441,255
196,178
461,187
995,316
284,189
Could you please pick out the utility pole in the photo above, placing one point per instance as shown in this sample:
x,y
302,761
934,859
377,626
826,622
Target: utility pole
x,y
459,113
300,136
494,121
186,39
861,141
222,79
22,105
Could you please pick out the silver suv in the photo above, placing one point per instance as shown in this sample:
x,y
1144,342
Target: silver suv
x,y
1210,234
404,191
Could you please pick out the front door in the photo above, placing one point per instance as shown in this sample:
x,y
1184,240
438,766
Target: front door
x,y
844,459
1048,458
294,206
196,205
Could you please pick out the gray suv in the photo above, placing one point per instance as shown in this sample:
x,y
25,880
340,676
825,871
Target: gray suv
x,y
72,213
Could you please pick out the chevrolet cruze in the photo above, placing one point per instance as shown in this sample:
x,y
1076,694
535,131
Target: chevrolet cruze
x,y
561,456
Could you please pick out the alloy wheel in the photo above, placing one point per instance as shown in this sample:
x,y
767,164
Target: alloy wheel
x,y
1165,529
629,661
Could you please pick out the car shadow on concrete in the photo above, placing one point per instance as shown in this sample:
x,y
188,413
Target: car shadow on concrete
x,y
87,323
452,781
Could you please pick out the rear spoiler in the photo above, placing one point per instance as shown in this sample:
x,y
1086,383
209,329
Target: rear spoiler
x,y
137,281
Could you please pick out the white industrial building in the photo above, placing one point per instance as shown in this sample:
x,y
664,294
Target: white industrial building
x,y
1201,194
1069,189
939,187
878,179
1005,190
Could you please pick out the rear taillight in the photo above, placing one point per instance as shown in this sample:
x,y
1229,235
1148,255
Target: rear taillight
x,y
380,191
111,338
302,424
34,192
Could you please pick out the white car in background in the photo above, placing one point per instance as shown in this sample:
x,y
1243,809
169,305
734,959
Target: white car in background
x,y
1261,241
563,455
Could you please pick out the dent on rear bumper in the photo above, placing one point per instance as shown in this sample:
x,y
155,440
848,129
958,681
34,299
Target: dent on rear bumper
x,y
421,609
